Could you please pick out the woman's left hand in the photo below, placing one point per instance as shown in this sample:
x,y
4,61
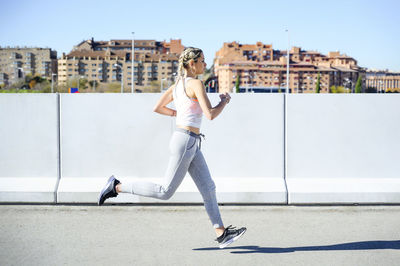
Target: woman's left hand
x,y
225,97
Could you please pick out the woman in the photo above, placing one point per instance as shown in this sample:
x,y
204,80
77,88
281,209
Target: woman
x,y
191,101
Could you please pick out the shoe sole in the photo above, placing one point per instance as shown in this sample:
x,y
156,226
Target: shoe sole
x,y
104,189
230,241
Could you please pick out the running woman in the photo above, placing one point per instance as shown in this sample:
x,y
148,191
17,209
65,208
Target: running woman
x,y
191,102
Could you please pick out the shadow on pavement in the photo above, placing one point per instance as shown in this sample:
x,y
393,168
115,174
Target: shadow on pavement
x,y
364,245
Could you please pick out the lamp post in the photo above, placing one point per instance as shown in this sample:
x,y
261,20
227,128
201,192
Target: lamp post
x,y
52,78
133,60
122,77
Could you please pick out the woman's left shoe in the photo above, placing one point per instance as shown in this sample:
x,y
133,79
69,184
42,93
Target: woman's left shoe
x,y
230,235
109,190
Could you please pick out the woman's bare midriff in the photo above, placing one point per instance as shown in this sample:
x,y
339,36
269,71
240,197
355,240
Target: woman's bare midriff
x,y
193,129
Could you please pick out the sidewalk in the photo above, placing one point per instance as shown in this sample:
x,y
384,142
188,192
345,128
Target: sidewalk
x,y
182,235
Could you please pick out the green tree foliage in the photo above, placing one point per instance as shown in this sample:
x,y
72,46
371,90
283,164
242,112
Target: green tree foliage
x,y
237,84
208,73
338,89
83,84
318,85
358,85
93,84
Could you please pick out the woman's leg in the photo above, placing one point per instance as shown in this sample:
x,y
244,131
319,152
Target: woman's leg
x,y
182,148
198,169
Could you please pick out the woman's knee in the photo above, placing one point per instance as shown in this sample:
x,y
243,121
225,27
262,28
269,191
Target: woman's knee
x,y
166,194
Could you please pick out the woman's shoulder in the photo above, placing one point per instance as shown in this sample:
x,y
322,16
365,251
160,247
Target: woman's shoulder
x,y
194,81
194,85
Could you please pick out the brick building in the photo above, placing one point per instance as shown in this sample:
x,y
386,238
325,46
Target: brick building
x,y
17,62
97,60
262,68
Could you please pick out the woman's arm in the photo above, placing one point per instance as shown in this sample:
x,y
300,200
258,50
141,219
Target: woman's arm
x,y
161,106
201,95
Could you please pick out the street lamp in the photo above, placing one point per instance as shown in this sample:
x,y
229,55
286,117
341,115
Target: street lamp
x,y
122,77
132,65
52,87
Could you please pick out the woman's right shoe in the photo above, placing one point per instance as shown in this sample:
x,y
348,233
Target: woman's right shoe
x,y
230,235
109,190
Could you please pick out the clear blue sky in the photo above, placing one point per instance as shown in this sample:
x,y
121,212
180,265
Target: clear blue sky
x,y
369,31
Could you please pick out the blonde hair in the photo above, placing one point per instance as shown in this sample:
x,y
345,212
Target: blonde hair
x,y
188,54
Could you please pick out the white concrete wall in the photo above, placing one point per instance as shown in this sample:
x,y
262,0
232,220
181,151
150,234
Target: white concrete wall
x,y
28,147
343,148
340,148
104,134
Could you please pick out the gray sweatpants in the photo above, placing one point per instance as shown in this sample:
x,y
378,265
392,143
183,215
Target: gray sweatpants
x,y
185,156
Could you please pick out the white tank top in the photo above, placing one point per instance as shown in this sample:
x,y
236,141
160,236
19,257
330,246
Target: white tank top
x,y
188,111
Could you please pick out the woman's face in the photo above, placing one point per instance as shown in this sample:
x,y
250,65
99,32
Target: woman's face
x,y
200,65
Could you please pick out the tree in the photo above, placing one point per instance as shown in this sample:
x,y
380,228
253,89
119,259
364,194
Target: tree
x,y
93,84
237,83
82,84
358,85
317,85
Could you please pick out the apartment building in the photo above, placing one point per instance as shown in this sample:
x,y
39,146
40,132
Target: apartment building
x,y
259,67
111,61
383,80
17,62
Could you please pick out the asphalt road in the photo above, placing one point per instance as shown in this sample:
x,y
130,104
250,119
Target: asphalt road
x,y
182,235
